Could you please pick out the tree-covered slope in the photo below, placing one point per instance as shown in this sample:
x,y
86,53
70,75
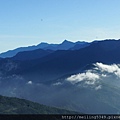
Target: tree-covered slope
x,y
9,105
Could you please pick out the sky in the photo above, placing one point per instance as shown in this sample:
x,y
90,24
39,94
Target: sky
x,y
29,22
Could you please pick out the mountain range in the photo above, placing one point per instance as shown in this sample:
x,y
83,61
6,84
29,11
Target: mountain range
x,y
81,76
65,45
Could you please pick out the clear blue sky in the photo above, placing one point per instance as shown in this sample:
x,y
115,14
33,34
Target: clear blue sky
x,y
28,22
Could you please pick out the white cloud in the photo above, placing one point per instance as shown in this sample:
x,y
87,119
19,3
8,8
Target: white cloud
x,y
30,82
99,72
117,73
98,87
103,75
83,76
90,82
107,68
58,83
114,68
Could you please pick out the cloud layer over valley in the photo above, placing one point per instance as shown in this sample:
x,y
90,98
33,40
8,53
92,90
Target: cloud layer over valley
x,y
94,90
99,73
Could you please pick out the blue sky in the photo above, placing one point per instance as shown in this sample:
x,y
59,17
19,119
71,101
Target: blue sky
x,y
28,22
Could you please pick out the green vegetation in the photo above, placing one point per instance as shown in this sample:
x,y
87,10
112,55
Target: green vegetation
x,y
10,105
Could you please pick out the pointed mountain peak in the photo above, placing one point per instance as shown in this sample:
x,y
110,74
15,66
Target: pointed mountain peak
x,y
66,41
42,45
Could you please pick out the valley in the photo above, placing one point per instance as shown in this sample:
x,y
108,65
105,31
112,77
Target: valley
x,y
84,79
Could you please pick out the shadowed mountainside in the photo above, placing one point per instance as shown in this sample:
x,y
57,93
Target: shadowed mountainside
x,y
9,105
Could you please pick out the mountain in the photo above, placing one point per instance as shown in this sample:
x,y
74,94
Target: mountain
x,y
63,62
65,45
94,90
84,80
12,105
97,88
79,45
12,53
48,46
30,55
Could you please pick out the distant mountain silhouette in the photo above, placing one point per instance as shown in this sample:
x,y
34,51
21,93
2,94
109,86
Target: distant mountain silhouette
x,y
33,54
80,45
65,45
12,53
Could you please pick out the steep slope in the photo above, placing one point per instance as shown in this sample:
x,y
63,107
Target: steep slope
x,y
9,105
94,91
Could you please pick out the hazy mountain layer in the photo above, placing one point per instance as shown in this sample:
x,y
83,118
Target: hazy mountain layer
x,y
10,105
85,80
65,45
62,62
30,55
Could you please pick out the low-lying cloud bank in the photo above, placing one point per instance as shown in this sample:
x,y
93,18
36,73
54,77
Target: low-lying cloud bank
x,y
83,76
114,68
96,74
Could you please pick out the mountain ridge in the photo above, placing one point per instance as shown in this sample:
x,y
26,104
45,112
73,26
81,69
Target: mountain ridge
x,y
63,62
13,105
33,54
62,46
94,69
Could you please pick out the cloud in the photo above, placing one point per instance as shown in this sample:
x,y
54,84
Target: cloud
x,y
98,87
90,82
114,68
58,83
30,82
103,75
99,72
91,77
117,73
107,68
